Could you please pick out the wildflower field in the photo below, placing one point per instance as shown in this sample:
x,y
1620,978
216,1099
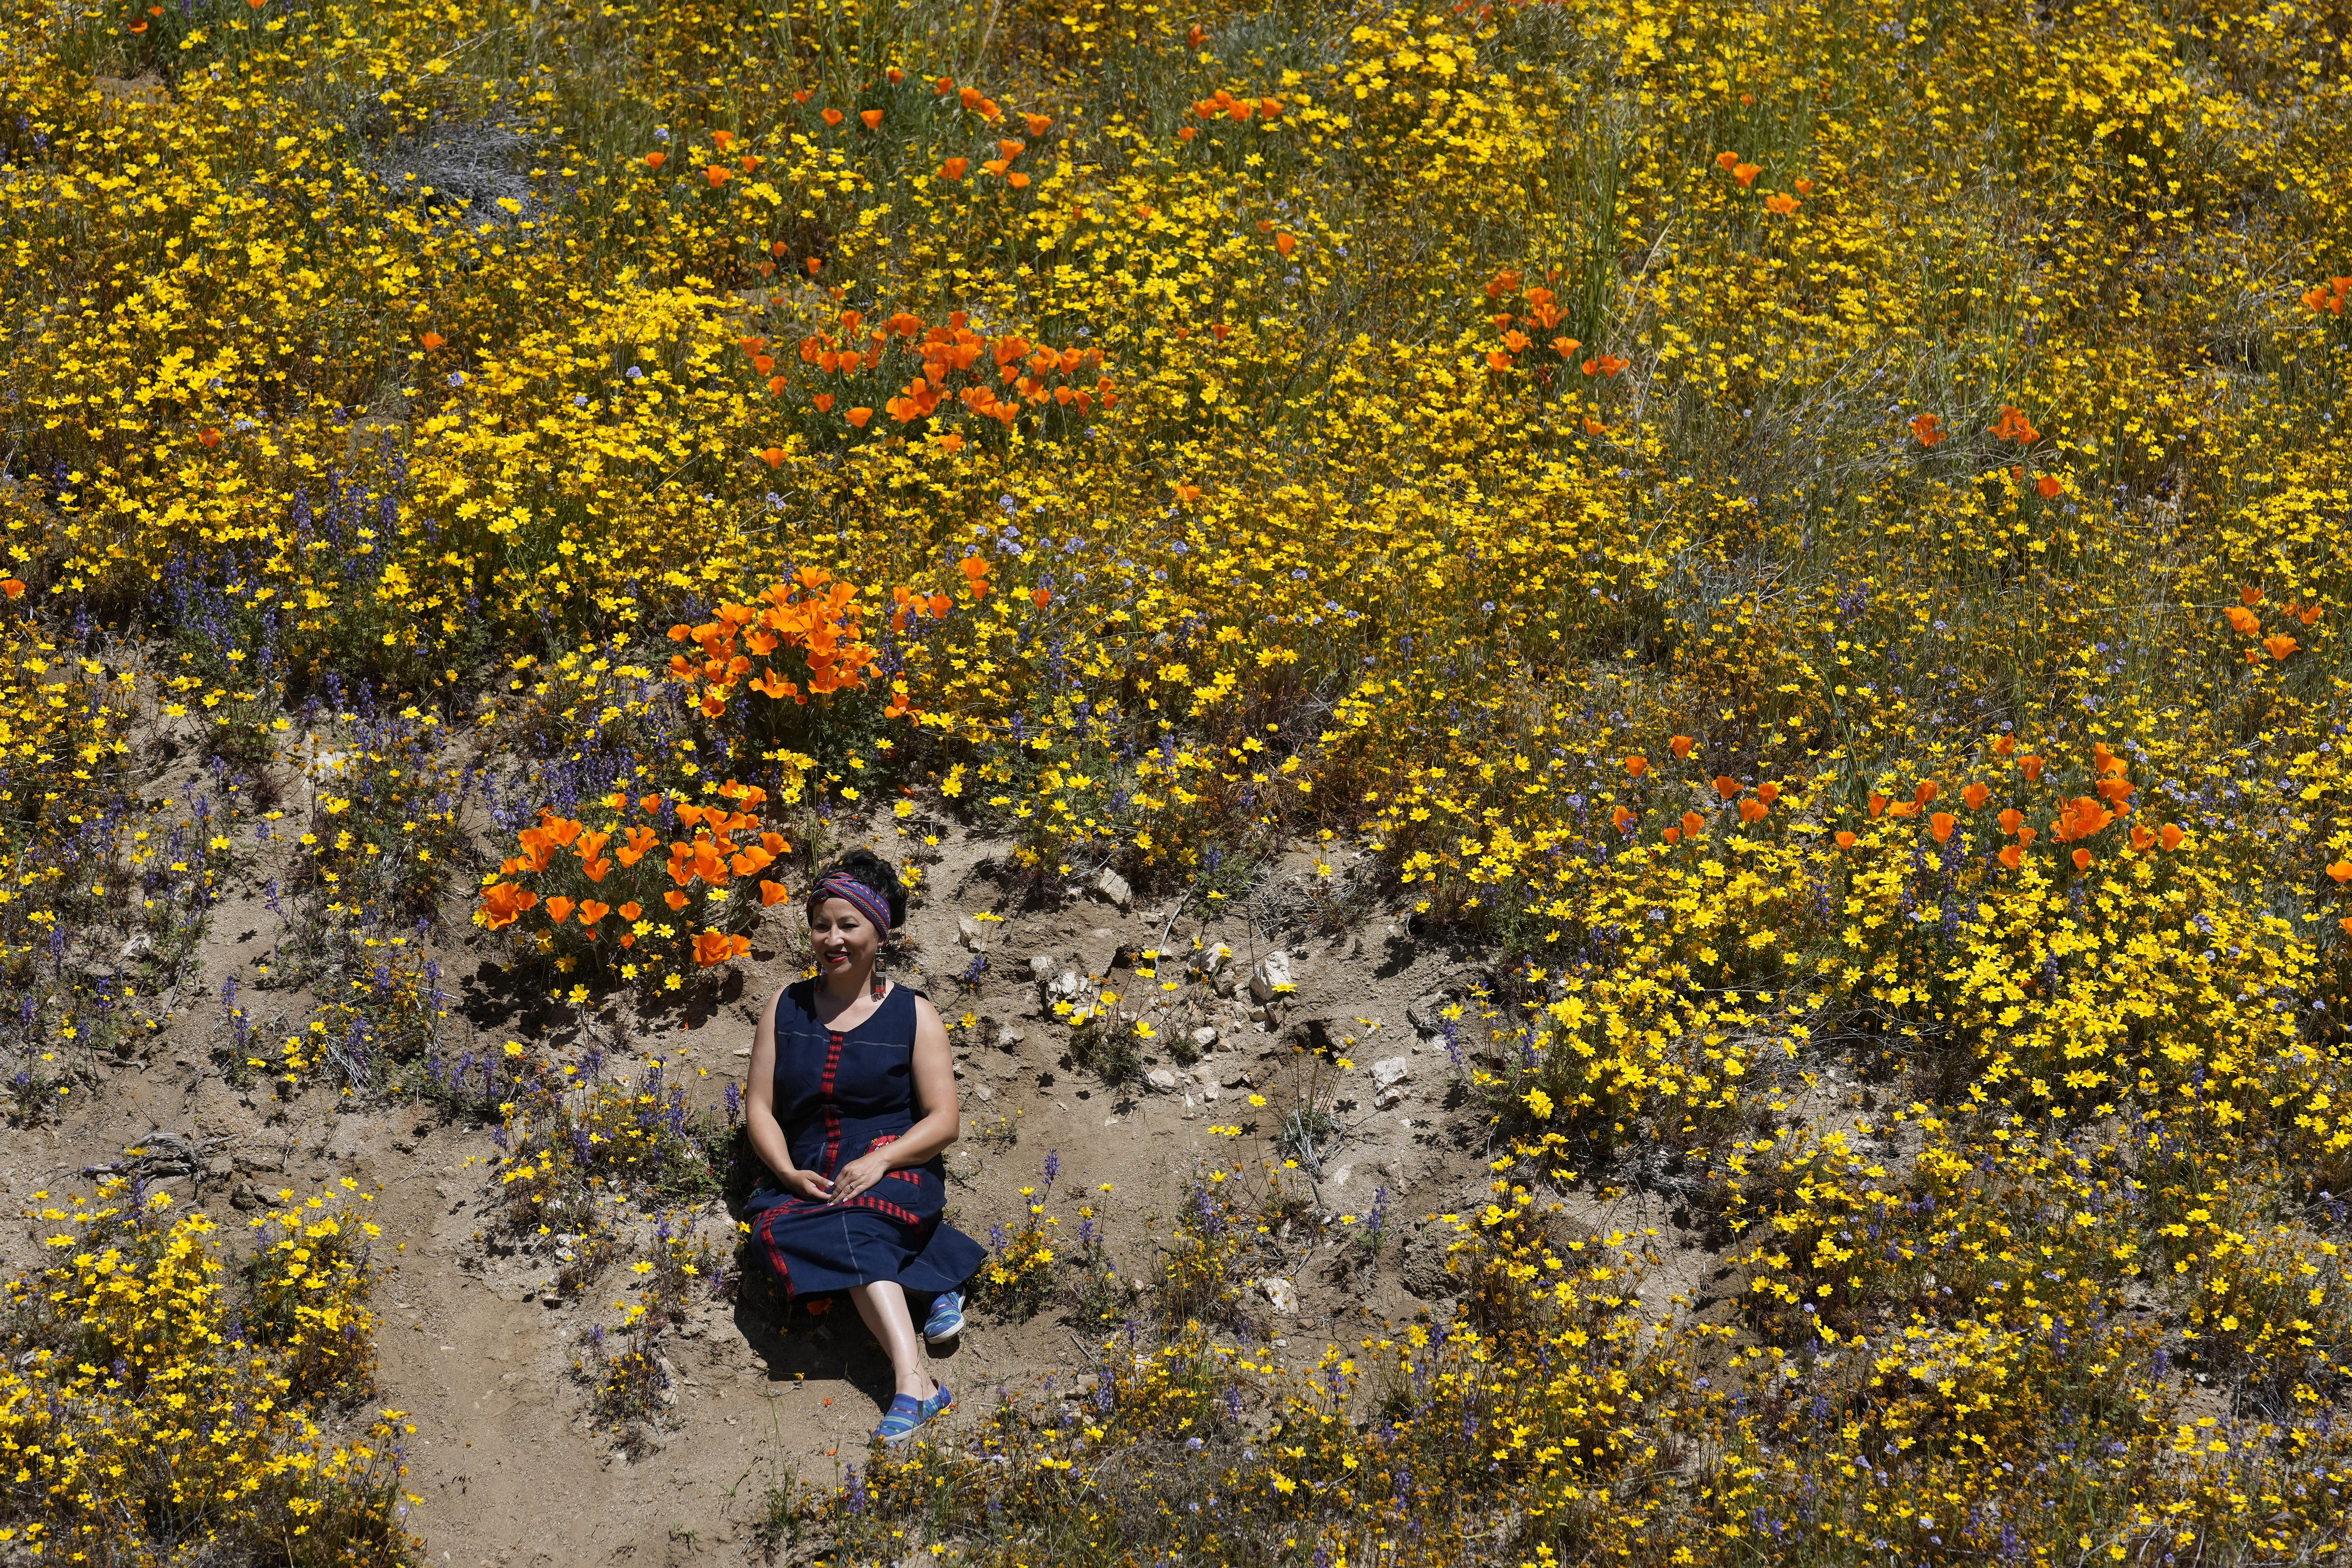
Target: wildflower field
x,y
1812,536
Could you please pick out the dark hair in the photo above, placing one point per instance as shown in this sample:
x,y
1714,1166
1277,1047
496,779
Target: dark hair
x,y
866,866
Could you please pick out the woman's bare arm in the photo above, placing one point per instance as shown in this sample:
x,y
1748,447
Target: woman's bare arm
x,y
759,1113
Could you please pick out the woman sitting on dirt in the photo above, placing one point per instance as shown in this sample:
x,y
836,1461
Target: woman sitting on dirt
x,y
852,1097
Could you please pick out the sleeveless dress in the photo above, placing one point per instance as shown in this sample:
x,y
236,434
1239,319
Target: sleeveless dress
x,y
839,1094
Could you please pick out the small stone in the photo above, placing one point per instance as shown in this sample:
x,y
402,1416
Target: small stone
x,y
972,933
1204,1038
1209,1092
1041,966
1161,1079
1390,1070
983,1093
1113,886
1280,1294
1270,975
1386,1099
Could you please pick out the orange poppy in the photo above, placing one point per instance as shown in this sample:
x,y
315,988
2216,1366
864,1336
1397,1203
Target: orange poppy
x,y
673,898
632,909
1928,429
2011,856
1619,817
1753,810
2281,646
2083,859
2030,766
1694,824
2246,622
655,159
1941,824
873,118
1680,745
2048,486
591,911
2010,819
1637,765
1878,804
2003,745
1726,786
2170,835
773,893
1768,791
1974,796
953,169
2141,838
2340,872
717,174
1845,840
2250,597
1672,836
858,416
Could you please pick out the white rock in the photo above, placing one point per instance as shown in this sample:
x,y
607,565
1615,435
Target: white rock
x,y
1042,966
1113,885
1280,1294
983,1093
1269,976
1161,1079
1205,1037
1392,1070
972,933
1209,1092
1213,962
1393,1095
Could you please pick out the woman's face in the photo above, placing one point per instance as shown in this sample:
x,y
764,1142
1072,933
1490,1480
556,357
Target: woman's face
x,y
844,940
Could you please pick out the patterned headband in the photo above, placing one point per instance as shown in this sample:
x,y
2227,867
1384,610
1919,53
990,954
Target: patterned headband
x,y
863,898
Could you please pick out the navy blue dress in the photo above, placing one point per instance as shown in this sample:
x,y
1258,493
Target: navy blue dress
x,y
837,1096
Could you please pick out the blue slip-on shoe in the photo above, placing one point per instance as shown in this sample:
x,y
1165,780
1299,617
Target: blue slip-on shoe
x,y
946,1321
908,1413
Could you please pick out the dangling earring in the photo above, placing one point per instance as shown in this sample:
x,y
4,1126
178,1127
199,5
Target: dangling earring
x,y
880,984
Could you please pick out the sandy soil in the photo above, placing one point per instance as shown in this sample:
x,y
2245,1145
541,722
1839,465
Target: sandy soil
x,y
479,1353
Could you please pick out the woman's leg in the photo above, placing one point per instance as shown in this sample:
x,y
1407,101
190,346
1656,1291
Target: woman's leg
x,y
882,1305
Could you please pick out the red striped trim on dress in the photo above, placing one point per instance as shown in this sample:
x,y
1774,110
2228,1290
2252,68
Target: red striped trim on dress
x,y
832,1110
775,1253
885,1207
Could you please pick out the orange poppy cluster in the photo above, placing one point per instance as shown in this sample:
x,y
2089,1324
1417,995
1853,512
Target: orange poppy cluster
x,y
1223,105
2280,645
2327,297
2079,818
945,352
728,844
2013,426
1543,313
815,613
